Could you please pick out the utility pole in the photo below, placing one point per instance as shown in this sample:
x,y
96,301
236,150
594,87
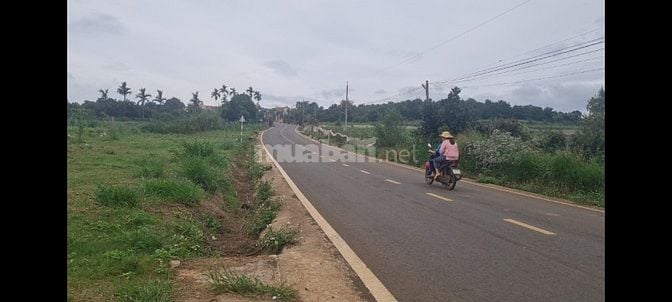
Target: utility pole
x,y
346,105
303,105
426,86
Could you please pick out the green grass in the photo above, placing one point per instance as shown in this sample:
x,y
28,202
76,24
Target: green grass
x,y
151,166
262,217
275,240
174,190
233,282
264,192
117,196
154,291
122,231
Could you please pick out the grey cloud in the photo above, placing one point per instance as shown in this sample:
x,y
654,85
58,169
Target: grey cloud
x,y
275,100
333,93
117,66
281,67
381,91
97,24
557,96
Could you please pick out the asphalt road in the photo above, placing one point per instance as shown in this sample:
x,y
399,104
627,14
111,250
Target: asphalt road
x,y
470,244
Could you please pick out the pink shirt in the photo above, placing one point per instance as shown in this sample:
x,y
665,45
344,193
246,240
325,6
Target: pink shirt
x,y
450,151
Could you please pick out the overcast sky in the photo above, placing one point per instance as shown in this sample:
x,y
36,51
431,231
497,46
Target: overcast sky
x,y
301,49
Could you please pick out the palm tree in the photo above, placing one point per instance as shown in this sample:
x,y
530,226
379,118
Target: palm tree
x,y
224,93
159,97
233,91
257,96
215,94
194,99
142,96
123,90
250,91
223,90
103,94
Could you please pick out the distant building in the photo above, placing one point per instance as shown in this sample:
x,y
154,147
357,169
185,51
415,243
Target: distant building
x,y
208,107
280,113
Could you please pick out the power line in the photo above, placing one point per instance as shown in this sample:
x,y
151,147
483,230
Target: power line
x,y
455,37
480,74
538,79
546,46
533,59
488,75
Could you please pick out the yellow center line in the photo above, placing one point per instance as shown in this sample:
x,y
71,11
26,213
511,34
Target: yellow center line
x,y
439,197
392,181
364,171
525,225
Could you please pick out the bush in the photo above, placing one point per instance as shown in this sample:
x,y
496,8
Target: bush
x,y
551,141
485,155
175,190
524,167
570,170
117,196
389,132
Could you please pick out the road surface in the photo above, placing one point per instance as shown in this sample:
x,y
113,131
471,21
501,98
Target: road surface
x,y
425,243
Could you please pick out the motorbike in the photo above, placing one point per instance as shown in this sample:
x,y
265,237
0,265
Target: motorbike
x,y
450,172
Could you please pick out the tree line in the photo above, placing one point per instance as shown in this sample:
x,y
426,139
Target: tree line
x,y
147,105
452,111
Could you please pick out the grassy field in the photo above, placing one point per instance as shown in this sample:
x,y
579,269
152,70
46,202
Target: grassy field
x,y
133,206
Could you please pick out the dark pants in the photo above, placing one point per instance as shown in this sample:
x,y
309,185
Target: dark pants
x,y
438,161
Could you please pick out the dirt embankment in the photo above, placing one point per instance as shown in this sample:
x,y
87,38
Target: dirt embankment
x,y
312,266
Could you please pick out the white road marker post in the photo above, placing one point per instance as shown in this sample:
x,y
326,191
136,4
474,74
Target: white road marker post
x,y
242,120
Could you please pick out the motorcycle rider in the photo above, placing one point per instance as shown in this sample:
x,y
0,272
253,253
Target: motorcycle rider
x,y
448,150
431,161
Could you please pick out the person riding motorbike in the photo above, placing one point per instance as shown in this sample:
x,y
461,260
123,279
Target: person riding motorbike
x,y
431,161
448,150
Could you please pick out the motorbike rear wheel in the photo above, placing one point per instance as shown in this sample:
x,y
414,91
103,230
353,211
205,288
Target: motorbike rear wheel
x,y
449,180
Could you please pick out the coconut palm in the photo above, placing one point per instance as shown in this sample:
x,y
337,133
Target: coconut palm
x,y
223,90
142,96
233,91
215,94
159,97
103,94
257,96
250,91
123,90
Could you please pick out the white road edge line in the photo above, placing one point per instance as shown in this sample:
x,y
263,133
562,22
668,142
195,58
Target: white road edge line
x,y
377,289
393,181
366,172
